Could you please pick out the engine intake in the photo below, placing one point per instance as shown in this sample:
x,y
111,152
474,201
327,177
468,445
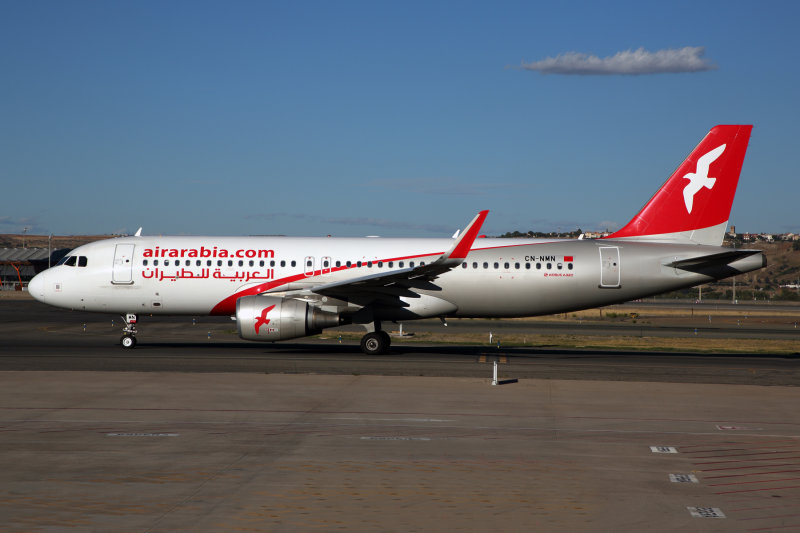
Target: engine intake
x,y
267,318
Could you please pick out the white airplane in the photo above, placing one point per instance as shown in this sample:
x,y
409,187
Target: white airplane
x,y
279,288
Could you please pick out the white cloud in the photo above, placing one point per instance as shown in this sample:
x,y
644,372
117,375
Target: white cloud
x,y
631,62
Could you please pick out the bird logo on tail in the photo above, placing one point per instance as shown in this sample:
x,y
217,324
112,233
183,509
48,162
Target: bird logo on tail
x,y
699,178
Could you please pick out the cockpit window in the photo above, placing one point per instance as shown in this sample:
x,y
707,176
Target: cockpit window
x,y
73,260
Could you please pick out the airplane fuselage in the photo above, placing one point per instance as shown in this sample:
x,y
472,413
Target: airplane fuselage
x,y
280,288
499,277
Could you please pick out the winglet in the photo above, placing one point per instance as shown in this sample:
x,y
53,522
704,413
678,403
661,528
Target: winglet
x,y
463,244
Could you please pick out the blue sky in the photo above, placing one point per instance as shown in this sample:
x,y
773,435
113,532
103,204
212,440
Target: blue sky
x,y
379,118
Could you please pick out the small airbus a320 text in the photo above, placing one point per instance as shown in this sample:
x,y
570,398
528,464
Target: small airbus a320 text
x,y
279,288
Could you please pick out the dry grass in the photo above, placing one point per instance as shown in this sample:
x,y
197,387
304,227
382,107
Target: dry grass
x,y
654,344
649,344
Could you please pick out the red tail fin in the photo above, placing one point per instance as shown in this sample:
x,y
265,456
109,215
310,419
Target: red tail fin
x,y
695,203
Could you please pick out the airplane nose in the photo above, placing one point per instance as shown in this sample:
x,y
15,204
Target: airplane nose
x,y
36,287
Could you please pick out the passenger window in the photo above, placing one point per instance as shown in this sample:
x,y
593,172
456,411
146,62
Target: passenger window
x,y
241,263
166,262
527,266
538,266
252,263
569,266
506,266
369,264
549,266
474,265
294,263
463,265
497,265
155,262
82,261
198,263
516,265
144,262
272,263
485,265
230,262
559,266
401,264
208,262
411,264
380,264
349,264
338,264
325,264
283,263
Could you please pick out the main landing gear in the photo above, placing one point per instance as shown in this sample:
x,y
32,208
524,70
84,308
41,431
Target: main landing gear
x,y
128,339
376,341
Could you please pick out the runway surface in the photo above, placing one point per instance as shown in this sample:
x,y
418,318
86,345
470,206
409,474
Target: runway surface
x,y
38,337
191,433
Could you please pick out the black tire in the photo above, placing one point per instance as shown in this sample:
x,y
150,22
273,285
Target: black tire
x,y
375,343
128,341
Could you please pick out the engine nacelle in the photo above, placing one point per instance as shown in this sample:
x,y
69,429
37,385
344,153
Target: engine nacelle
x,y
267,318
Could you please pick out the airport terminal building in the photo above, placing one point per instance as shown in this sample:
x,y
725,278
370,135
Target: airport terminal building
x,y
19,265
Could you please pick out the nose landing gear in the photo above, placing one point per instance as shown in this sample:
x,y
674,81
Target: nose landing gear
x,y
128,339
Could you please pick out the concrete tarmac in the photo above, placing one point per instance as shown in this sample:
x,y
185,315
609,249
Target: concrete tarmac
x,y
152,452
189,433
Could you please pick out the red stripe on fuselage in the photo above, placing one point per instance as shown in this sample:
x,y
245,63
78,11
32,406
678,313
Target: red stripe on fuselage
x,y
228,305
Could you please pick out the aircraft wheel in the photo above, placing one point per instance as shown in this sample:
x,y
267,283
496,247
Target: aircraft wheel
x,y
386,339
128,341
375,343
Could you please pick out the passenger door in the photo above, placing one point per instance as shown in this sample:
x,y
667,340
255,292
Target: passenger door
x,y
122,273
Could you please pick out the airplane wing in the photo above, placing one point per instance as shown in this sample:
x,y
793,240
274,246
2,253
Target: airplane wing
x,y
390,285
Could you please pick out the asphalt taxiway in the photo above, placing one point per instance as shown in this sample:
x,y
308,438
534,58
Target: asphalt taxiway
x,y
197,431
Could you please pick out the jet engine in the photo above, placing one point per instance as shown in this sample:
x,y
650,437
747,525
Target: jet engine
x,y
267,318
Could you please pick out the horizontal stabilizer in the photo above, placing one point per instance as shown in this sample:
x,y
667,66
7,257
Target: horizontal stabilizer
x,y
723,264
713,259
